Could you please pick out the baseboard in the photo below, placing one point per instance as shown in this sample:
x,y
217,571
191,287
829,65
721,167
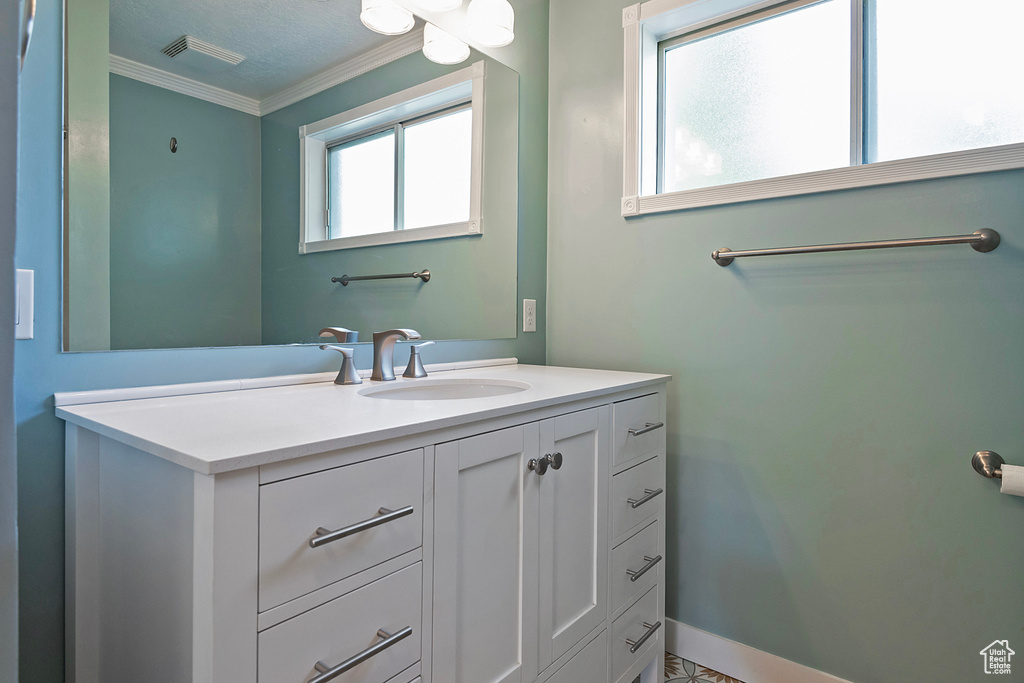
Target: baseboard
x,y
748,664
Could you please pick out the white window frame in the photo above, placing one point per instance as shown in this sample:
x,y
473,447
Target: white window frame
x,y
647,24
464,85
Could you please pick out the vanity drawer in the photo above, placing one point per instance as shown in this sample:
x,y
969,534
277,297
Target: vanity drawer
x,y
631,627
641,555
343,628
640,485
643,416
292,510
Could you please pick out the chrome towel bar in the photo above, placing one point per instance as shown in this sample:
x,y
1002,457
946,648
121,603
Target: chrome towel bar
x,y
983,240
345,279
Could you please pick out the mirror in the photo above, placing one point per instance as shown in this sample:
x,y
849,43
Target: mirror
x,y
195,184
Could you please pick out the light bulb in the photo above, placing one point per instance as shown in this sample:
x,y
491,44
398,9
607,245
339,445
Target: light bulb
x,y
384,16
490,22
438,5
442,47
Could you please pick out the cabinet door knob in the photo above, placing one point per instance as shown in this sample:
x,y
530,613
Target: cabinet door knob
x,y
327,672
539,466
555,460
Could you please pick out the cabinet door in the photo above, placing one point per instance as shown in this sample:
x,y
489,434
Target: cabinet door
x,y
485,558
573,530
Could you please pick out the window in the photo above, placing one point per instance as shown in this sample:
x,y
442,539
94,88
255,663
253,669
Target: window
x,y
415,174
730,100
404,168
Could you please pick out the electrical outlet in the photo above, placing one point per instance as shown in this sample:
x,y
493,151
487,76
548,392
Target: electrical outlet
x,y
529,315
24,304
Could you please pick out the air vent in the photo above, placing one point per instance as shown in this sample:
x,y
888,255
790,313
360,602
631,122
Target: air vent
x,y
201,55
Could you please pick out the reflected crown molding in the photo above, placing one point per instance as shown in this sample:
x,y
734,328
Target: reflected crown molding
x,y
328,78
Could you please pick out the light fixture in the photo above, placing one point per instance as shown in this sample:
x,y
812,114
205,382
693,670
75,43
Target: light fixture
x,y
442,47
438,5
384,16
490,22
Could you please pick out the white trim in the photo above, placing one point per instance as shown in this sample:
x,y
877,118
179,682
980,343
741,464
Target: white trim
x,y
967,162
660,19
385,54
77,398
180,84
335,75
736,659
466,83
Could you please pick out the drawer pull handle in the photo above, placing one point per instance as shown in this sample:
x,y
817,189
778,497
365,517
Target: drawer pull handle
x,y
635,645
651,494
324,536
327,673
637,573
649,427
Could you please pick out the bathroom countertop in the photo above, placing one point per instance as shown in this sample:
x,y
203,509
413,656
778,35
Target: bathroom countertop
x,y
230,430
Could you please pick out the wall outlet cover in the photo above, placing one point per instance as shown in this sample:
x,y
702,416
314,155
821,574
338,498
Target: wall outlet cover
x,y
529,315
24,307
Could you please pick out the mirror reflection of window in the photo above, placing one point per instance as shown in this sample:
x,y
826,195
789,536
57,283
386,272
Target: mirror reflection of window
x,y
417,174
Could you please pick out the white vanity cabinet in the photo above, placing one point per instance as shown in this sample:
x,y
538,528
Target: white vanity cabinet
x,y
249,536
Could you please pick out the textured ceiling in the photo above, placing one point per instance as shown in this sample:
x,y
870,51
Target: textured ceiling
x,y
283,41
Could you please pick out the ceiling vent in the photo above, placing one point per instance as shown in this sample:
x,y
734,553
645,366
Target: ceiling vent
x,y
201,55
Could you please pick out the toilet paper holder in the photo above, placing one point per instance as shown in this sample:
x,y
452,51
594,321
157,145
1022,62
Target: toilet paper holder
x,y
988,464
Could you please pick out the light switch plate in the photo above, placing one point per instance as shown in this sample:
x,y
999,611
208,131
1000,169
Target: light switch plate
x,y
24,306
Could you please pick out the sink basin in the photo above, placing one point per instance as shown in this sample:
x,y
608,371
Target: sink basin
x,y
445,389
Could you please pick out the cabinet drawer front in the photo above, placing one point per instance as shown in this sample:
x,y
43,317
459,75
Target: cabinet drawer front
x,y
291,511
629,629
638,484
345,627
640,555
641,415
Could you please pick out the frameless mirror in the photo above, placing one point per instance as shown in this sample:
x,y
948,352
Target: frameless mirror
x,y
241,172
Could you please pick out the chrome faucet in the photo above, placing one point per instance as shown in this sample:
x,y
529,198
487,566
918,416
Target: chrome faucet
x,y
348,373
384,352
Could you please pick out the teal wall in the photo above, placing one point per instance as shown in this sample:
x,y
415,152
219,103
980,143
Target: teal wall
x,y
184,227
8,461
41,370
472,289
823,409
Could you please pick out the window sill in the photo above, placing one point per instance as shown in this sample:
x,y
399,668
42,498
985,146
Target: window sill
x,y
435,232
967,162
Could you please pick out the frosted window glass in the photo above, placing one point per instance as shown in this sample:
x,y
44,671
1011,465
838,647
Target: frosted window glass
x,y
438,169
766,99
361,179
949,75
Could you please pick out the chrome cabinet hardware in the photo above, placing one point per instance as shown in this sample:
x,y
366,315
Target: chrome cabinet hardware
x,y
635,645
649,427
540,466
345,279
988,464
328,673
983,240
324,536
651,494
635,574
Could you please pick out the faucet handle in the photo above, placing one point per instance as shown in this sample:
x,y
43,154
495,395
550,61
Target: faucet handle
x,y
348,373
342,334
415,368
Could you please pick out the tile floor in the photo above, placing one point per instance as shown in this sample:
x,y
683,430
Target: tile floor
x,y
681,670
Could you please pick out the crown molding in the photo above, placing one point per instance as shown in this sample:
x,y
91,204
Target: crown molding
x,y
185,86
357,66
335,75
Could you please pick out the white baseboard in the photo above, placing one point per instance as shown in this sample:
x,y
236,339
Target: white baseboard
x,y
737,660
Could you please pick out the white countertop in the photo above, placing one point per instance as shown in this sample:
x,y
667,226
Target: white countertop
x,y
231,430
